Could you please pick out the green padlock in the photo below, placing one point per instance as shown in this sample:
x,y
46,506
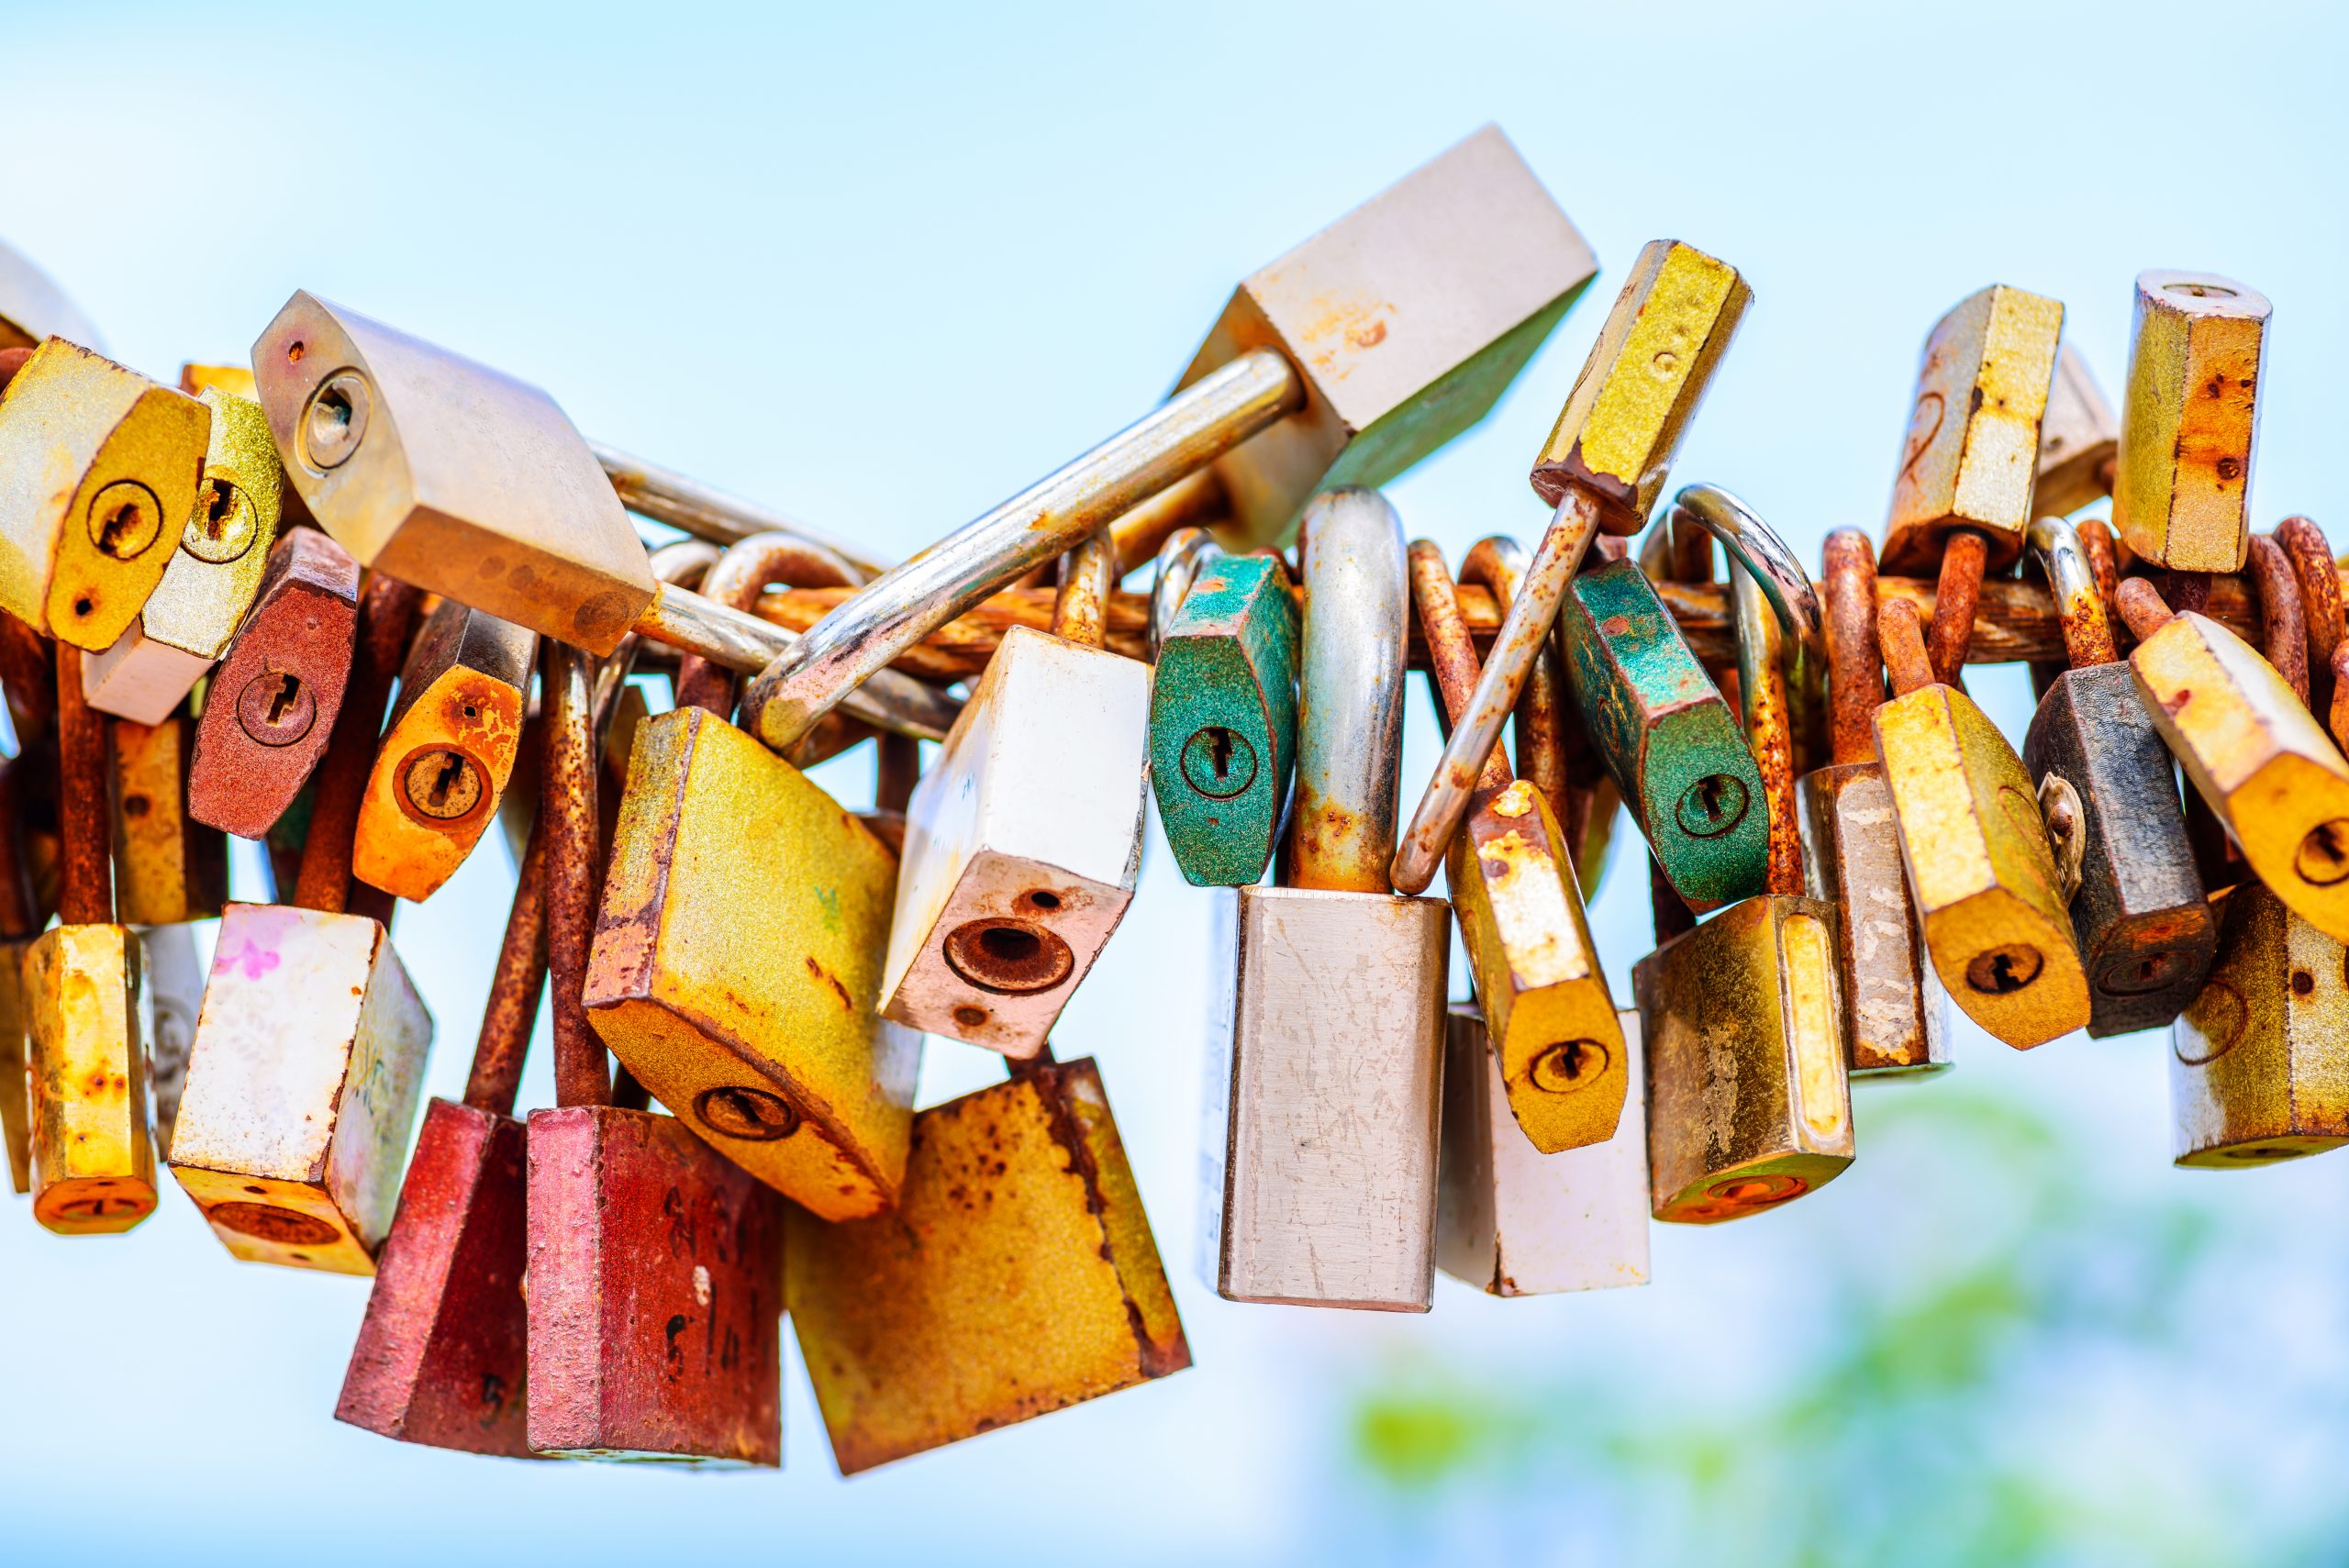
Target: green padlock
x,y
1667,735
1222,707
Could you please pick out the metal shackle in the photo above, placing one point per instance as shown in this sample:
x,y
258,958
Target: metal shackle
x,y
1350,693
1186,553
1777,574
2055,545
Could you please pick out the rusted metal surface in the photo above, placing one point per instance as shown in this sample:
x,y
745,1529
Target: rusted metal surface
x,y
168,867
93,1156
1350,702
2180,493
1451,658
1769,730
1955,594
276,698
1902,641
2190,589
1544,718
2255,1060
2284,637
567,810
2095,543
738,580
386,615
1895,1013
2320,608
85,887
1855,668
1198,501
2338,714
896,762
2064,561
1088,578
29,671
512,1009
2141,607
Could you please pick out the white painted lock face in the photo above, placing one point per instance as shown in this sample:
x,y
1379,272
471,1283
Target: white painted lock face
x,y
1023,843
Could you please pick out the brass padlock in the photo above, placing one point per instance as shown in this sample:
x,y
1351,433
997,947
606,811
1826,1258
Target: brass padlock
x,y
2109,792
1603,466
1540,988
1016,1277
169,867
1514,1221
655,1263
212,578
2181,495
273,702
1749,1098
1023,840
446,752
1976,853
2265,769
2259,1060
1326,1013
1222,707
309,1053
33,307
87,1010
2079,440
1343,362
98,470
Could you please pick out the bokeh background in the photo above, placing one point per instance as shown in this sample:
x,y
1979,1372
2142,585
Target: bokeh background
x,y
882,265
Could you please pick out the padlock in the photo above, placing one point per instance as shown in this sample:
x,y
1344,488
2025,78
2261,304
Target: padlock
x,y
1749,1098
1016,1277
1602,467
211,580
98,472
2181,494
86,1009
1343,362
18,920
1222,707
446,752
1023,841
1976,850
2107,791
32,307
309,1053
2319,576
2259,1059
1326,1011
2079,440
655,1263
174,979
2265,769
1896,1010
1514,1221
1538,985
273,702
169,867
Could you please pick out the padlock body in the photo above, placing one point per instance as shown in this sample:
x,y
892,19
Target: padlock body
x,y
2248,744
2188,419
168,867
1017,1277
1668,738
1407,318
1749,1099
93,1163
1514,1221
2145,930
737,967
302,1087
1979,868
2259,1061
98,470
450,475
1896,1010
655,1270
2079,438
1325,1054
1224,721
1538,979
1023,843
440,1357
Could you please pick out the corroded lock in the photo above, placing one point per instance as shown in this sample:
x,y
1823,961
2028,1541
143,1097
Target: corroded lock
x,y
211,580
1538,985
2269,772
1344,362
169,867
1326,1015
309,1053
273,702
2181,495
1023,841
1896,1010
2259,1059
2079,440
655,1263
2109,792
98,472
1602,467
1222,707
1017,1277
1975,848
32,307
1514,1221
446,752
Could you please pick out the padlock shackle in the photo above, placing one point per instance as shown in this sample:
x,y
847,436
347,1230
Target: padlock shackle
x,y
2143,608
1088,575
1351,656
906,604
779,557
572,854
2284,637
1965,555
1452,654
682,564
1901,635
1786,588
511,1011
706,512
84,836
2055,545
387,618
1185,554
2320,577
1552,752
1766,698
1855,664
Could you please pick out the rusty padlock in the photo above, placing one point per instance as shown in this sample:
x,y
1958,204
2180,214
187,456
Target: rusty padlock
x,y
2181,496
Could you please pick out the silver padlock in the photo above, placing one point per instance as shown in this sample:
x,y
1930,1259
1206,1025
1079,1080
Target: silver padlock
x,y
1023,841
1326,1021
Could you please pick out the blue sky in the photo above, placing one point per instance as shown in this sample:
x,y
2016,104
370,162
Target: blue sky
x,y
881,266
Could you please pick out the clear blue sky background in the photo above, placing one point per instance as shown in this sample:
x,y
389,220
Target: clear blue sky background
x,y
882,265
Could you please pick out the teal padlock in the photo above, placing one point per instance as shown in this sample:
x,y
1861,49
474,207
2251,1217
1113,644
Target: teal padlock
x,y
1222,707
1668,736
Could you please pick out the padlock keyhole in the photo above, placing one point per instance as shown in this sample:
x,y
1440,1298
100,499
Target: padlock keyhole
x,y
1712,806
1219,762
2323,857
2003,970
288,688
451,767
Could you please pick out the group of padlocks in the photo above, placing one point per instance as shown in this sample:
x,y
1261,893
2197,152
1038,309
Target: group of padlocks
x,y
379,542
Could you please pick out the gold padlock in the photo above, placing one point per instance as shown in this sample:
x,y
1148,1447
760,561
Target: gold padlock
x,y
2259,1061
98,472
2181,496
